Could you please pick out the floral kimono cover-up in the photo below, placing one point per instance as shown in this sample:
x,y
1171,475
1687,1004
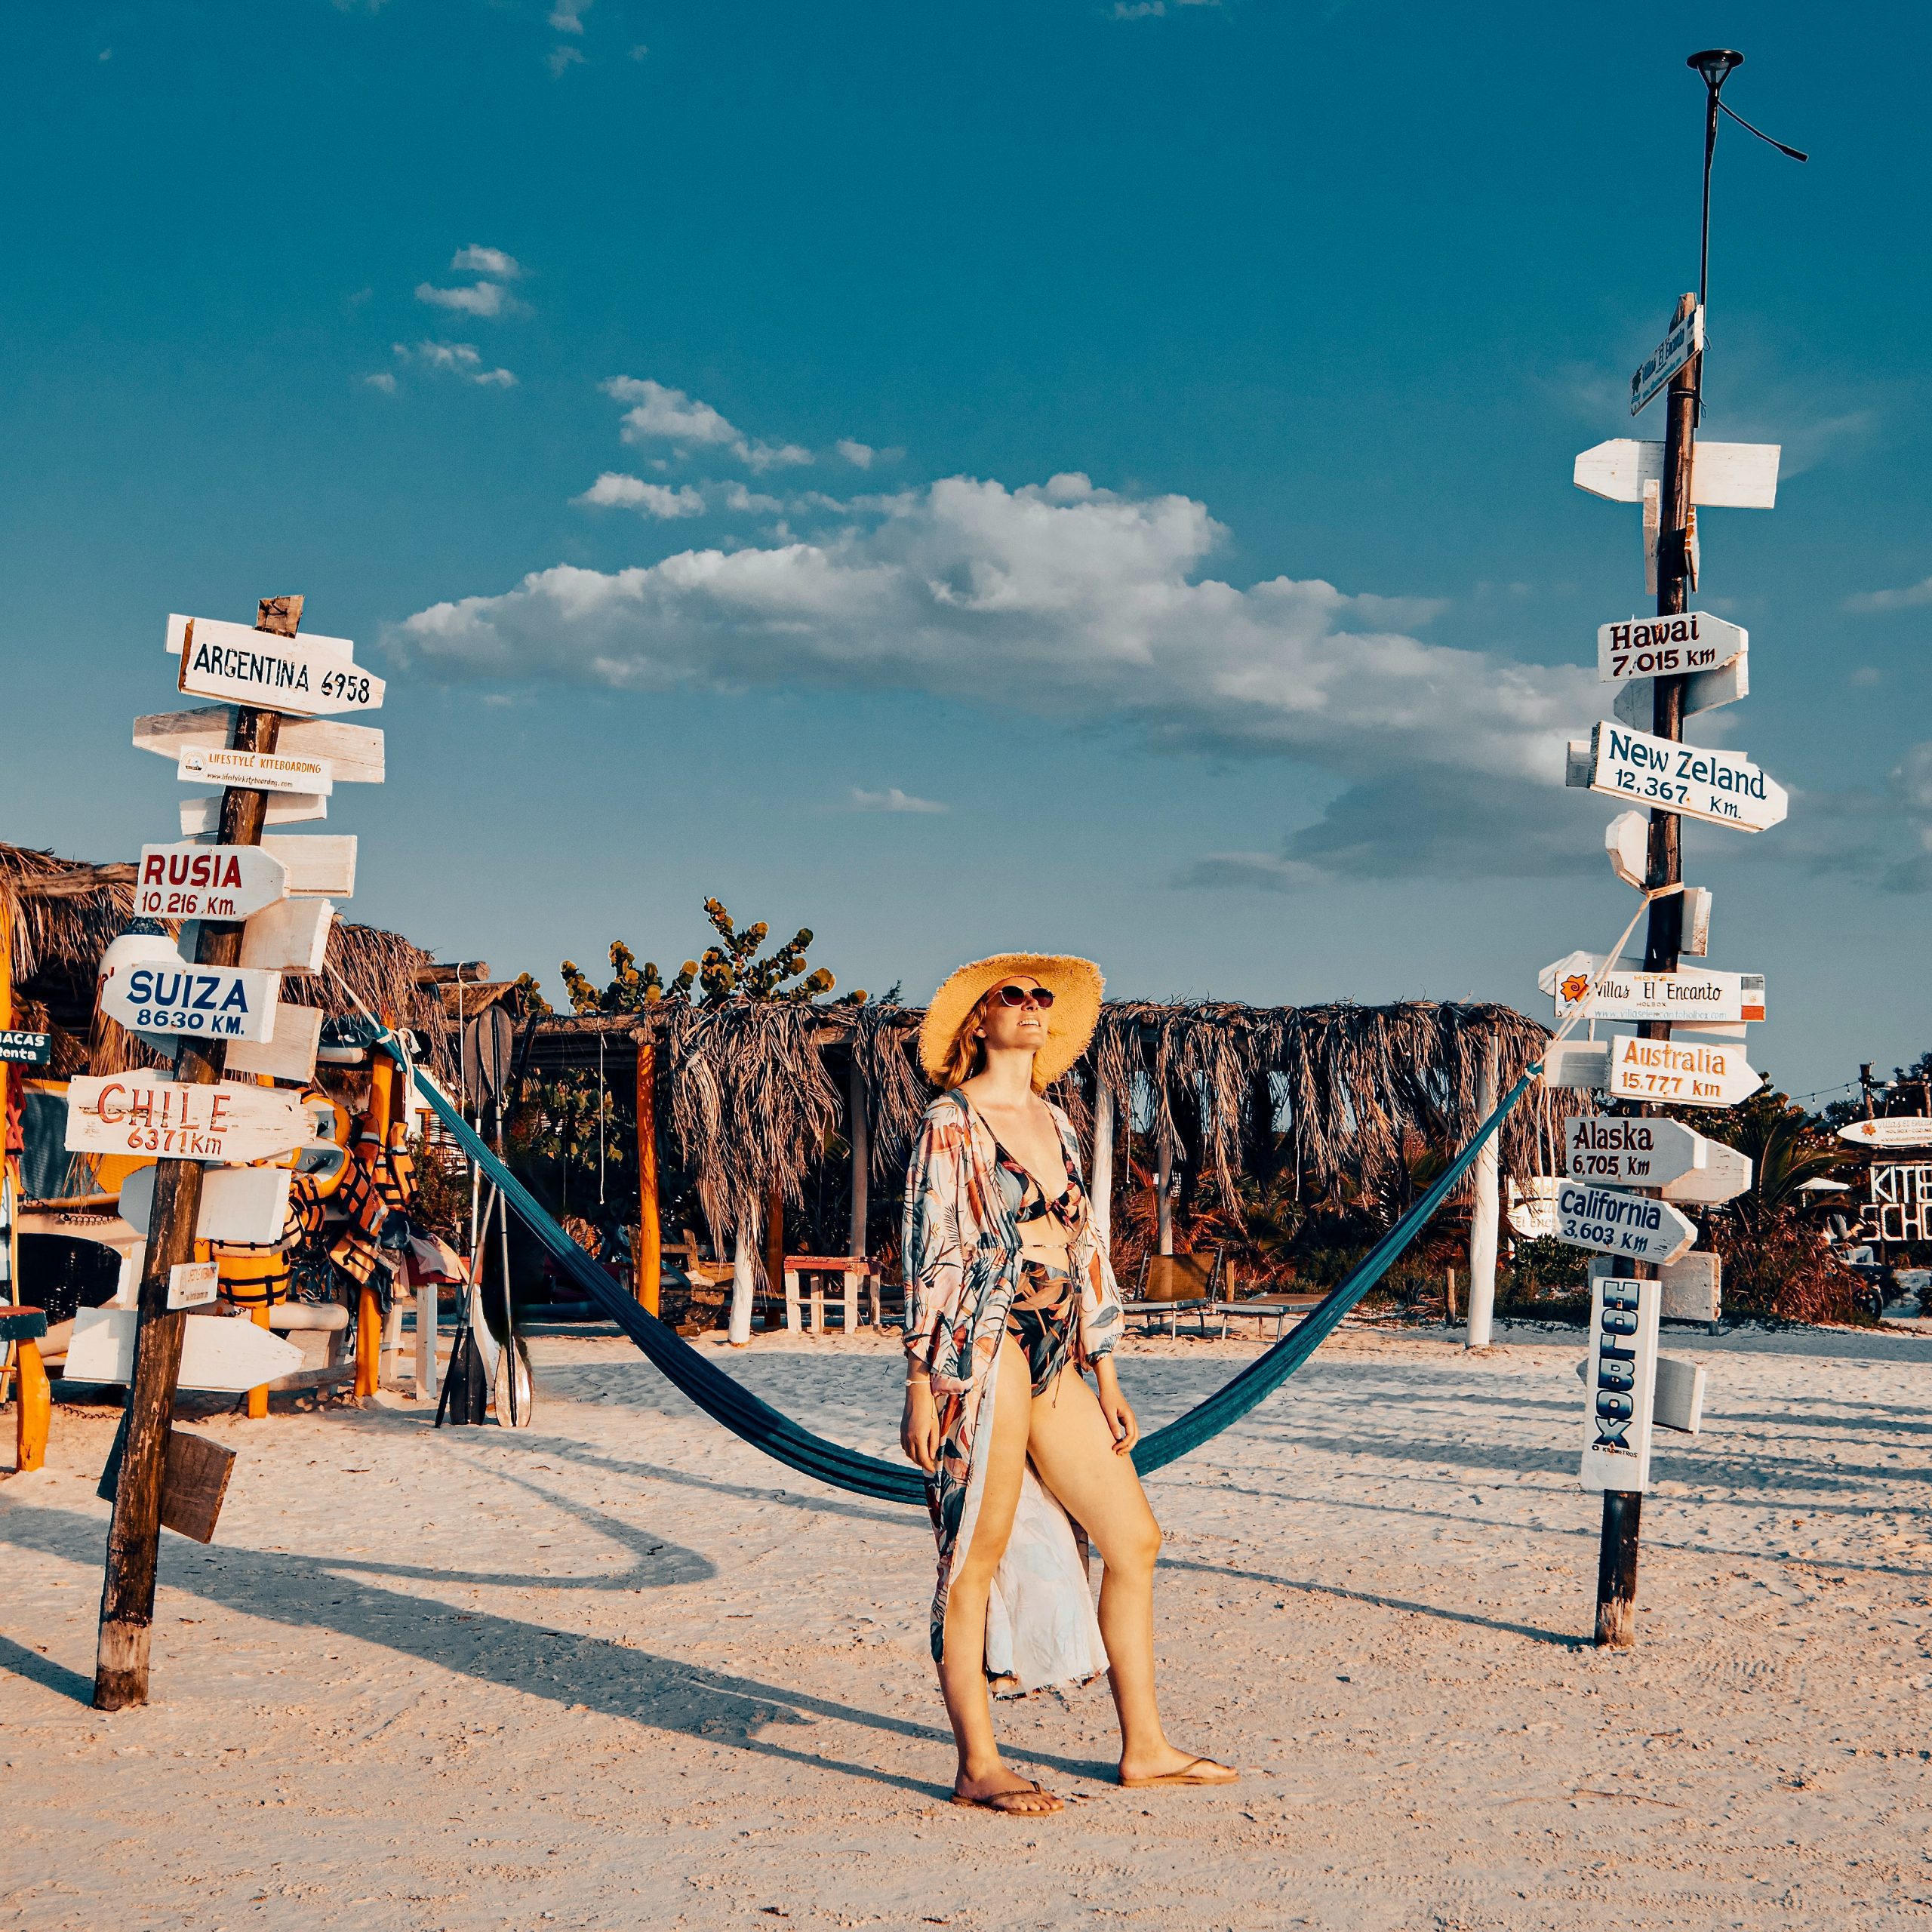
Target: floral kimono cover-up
x,y
962,1269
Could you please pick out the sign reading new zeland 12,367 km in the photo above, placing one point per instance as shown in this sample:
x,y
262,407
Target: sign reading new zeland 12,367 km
x,y
192,881
141,1112
1677,1073
252,667
1720,786
1627,1224
1667,646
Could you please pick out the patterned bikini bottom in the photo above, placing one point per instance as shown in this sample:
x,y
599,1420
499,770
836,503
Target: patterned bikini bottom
x,y
1041,1319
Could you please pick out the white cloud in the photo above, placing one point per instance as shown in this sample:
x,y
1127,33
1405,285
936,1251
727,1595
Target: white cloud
x,y
891,800
745,502
660,413
1062,598
478,260
561,57
381,380
859,455
483,298
1913,597
567,16
614,490
455,358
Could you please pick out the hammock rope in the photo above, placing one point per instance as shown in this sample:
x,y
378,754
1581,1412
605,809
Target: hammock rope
x,y
728,1402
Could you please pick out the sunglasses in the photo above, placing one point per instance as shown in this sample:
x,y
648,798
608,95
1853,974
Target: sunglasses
x,y
1040,996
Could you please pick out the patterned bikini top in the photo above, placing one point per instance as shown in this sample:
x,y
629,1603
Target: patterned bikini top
x,y
1028,1198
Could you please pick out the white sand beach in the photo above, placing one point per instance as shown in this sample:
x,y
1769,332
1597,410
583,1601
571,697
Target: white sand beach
x,y
621,1671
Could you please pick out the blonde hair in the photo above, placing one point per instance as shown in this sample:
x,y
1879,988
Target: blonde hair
x,y
966,1055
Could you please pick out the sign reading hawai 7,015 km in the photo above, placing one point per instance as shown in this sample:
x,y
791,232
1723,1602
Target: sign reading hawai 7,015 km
x,y
1699,783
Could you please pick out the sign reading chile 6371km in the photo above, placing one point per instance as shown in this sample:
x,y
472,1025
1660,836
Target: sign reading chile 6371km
x,y
1699,783
248,666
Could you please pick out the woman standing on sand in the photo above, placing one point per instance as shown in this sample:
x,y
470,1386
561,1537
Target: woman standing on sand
x,y
1007,1290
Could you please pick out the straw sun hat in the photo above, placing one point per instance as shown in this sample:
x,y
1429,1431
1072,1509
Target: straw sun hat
x,y
1076,985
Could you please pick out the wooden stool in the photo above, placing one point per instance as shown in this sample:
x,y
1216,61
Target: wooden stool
x,y
24,1327
851,1269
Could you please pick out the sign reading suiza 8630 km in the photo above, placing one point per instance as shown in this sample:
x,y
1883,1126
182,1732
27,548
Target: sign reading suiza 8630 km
x,y
1720,786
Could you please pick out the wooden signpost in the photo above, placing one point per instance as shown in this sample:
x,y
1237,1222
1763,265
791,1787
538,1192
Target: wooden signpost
x,y
140,1112
205,1003
1891,1130
1612,1222
250,667
1725,1174
1723,788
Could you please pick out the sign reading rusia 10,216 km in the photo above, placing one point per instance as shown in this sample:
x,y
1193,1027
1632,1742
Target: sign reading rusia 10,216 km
x,y
1668,776
192,881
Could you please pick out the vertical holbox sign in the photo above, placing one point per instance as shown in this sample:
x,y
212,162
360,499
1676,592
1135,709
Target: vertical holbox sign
x,y
1620,1379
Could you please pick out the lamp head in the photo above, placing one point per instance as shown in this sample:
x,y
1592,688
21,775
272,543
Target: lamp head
x,y
1716,65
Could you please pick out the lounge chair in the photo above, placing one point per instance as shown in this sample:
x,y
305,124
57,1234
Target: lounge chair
x,y
1172,1284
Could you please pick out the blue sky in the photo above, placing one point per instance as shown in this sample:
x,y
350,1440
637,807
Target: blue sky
x,y
1085,476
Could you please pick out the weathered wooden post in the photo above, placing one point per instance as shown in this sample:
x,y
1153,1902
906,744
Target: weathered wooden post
x,y
774,1242
1485,1216
744,1282
1100,1191
650,1230
860,1134
133,1535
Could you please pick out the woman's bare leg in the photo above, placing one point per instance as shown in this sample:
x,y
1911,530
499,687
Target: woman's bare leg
x,y
962,1674
1073,1450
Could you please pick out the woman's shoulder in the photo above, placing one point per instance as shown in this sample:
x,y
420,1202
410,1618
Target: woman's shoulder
x,y
952,1109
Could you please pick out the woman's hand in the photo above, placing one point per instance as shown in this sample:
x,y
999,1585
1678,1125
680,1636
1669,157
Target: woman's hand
x,y
918,1426
1122,1423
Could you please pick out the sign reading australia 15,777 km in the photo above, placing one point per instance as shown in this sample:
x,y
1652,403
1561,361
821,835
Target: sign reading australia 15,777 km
x,y
1698,782
253,667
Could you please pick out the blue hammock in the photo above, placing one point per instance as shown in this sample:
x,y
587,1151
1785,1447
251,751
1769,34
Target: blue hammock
x,y
763,1426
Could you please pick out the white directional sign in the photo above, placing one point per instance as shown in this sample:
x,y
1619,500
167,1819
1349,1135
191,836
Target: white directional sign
x,y
292,937
210,1002
1899,1130
1677,1073
1720,786
140,1112
207,881
258,771
1686,338
1667,646
252,667
290,1055
1736,476
1621,1383
354,752
1627,839
201,817
1725,1174
246,1205
1587,1216
1576,1063
339,648
1636,702
1689,995
1631,1151
216,1353
1697,940
319,868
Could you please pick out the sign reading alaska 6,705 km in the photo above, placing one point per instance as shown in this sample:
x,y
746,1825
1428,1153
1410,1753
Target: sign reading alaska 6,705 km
x,y
1699,783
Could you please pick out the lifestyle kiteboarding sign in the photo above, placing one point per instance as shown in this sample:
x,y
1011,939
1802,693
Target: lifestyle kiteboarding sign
x,y
191,882
259,668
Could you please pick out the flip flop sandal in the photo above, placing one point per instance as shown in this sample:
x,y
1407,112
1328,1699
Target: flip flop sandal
x,y
1001,1801
1186,1775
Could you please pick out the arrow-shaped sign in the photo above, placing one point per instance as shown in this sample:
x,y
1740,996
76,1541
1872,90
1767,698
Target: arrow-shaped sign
x,y
1677,1073
1626,1224
1630,1150
139,1112
172,997
1685,339
1667,646
258,771
1721,787
1688,996
191,882
1725,1174
246,1205
252,667
1636,702
1897,1130
1735,476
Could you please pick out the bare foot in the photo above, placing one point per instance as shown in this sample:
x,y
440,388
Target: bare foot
x,y
1168,1766
1001,1791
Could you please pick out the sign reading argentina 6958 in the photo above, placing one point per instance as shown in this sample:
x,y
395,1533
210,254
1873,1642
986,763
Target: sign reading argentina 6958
x,y
1698,782
253,667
